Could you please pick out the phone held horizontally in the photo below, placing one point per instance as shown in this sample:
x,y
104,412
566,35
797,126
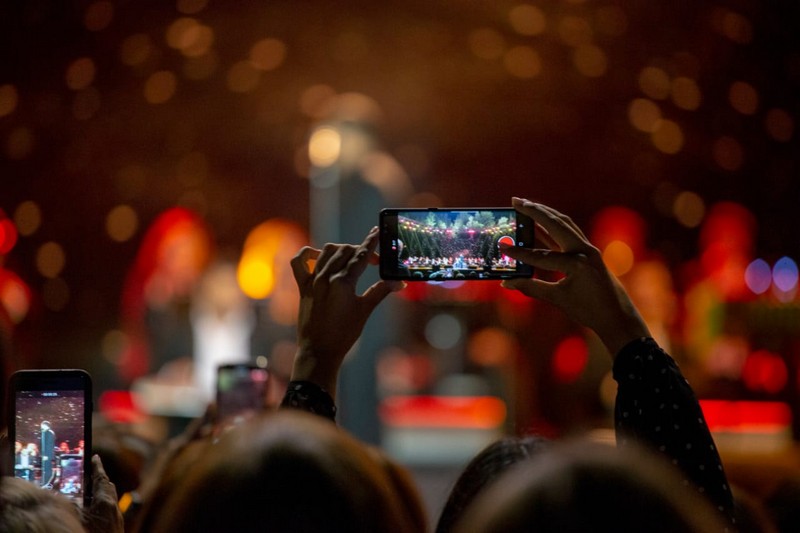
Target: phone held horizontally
x,y
50,416
437,244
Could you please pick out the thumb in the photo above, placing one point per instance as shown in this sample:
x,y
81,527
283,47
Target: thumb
x,y
380,290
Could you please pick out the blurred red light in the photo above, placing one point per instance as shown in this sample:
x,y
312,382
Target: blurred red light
x,y
569,359
765,371
8,236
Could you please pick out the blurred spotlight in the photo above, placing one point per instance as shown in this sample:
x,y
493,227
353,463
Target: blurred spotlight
x,y
191,7
80,73
527,19
784,274
160,87
644,114
654,82
8,235
689,209
575,31
444,331
779,125
686,94
732,25
50,259
15,296
318,101
618,257
268,54
570,359
743,98
667,137
28,217
122,223
765,371
324,146
98,15
758,276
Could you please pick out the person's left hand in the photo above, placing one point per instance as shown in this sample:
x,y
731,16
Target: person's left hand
x,y
332,315
103,514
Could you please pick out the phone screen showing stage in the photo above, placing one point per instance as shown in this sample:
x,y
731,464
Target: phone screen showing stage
x,y
452,244
50,440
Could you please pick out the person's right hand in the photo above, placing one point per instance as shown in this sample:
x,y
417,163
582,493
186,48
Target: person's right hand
x,y
332,314
588,293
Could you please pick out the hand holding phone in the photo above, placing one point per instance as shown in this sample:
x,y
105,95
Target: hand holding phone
x,y
453,244
50,416
241,390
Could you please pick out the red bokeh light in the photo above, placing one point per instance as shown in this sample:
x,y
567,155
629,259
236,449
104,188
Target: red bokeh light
x,y
765,371
569,359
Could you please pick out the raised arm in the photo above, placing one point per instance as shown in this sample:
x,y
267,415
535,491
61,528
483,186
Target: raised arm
x,y
655,404
332,317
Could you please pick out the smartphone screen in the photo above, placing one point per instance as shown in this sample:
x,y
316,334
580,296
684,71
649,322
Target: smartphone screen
x,y
241,390
50,413
452,244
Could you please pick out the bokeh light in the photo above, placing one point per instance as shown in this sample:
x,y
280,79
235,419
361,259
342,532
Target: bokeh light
x,y
122,223
268,54
618,257
784,274
570,359
686,94
15,296
758,276
654,82
50,259
160,87
80,73
779,125
527,19
728,153
667,136
8,235
575,31
689,209
28,217
324,146
765,371
644,114
732,25
136,49
444,331
191,7
98,15
743,98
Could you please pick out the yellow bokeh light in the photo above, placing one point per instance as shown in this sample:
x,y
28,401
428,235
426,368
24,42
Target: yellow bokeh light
x,y
644,114
198,41
98,15
324,146
255,276
487,43
15,299
243,77
8,99
160,87
191,7
590,61
779,124
618,257
527,19
80,74
732,25
27,218
317,101
575,31
743,97
728,153
686,94
136,49
50,259
667,137
654,82
122,223
178,34
689,209
268,54
523,62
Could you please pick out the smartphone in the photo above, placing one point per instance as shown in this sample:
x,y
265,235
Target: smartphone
x,y
241,390
50,426
437,244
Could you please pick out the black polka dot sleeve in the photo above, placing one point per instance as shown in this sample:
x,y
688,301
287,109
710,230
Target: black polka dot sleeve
x,y
657,406
310,397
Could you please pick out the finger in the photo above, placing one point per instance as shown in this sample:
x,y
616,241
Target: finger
x,y
341,256
299,264
363,256
102,485
562,232
567,263
566,219
378,291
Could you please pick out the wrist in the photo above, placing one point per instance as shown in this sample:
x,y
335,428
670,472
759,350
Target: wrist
x,y
316,368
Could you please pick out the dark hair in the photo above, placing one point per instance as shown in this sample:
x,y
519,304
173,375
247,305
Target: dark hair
x,y
284,471
483,469
586,486
26,507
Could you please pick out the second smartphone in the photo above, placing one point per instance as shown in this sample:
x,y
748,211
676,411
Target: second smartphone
x,y
437,244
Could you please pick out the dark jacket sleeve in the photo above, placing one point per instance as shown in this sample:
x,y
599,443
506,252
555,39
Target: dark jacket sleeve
x,y
657,406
